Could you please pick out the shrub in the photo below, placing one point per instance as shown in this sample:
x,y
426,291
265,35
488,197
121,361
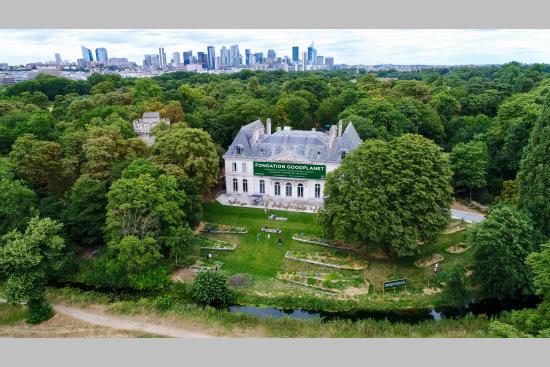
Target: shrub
x,y
38,310
210,288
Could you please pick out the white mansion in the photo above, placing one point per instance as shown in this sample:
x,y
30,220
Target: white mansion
x,y
285,169
143,126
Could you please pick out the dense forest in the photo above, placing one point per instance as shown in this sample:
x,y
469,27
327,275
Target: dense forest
x,y
74,177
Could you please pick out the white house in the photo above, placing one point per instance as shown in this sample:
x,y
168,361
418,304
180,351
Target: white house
x,y
285,169
143,126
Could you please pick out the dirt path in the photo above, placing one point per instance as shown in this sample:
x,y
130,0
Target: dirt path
x,y
123,323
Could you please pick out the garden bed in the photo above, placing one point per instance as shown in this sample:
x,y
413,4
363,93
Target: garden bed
x,y
458,248
316,240
328,282
206,264
429,261
207,243
223,228
326,259
270,230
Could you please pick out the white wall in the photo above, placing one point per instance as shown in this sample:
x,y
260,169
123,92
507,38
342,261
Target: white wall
x,y
254,181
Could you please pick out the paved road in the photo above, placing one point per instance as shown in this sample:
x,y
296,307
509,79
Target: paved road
x,y
467,216
123,323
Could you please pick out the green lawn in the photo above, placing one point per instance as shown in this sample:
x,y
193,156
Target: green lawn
x,y
264,258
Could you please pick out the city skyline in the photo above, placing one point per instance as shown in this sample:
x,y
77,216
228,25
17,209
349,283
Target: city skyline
x,y
430,47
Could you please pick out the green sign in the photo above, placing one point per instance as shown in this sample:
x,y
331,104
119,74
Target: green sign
x,y
395,283
290,170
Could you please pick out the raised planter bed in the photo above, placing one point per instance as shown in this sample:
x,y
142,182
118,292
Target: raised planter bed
x,y
429,261
328,282
202,265
207,243
270,230
458,248
223,228
274,217
309,238
326,259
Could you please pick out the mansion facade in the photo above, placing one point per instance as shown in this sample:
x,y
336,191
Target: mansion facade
x,y
286,166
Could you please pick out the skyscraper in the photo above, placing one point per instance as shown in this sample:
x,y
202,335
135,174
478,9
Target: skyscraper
x,y
320,60
202,59
187,57
87,55
101,55
311,55
211,57
271,54
152,61
176,58
224,56
247,57
235,56
259,57
162,58
329,61
57,59
295,54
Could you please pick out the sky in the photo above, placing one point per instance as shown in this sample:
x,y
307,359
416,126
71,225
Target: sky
x,y
364,46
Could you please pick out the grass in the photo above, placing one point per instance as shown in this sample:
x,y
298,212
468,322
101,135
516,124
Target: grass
x,y
263,259
223,323
11,315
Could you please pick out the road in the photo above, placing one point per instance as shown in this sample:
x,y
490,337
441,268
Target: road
x,y
467,216
123,323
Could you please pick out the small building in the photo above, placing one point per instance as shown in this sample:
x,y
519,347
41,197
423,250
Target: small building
x,y
143,126
285,169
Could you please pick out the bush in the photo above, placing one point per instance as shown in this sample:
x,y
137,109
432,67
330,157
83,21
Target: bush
x,y
210,288
38,310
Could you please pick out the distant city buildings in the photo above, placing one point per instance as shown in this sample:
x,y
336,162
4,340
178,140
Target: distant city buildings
x,y
162,58
87,55
101,55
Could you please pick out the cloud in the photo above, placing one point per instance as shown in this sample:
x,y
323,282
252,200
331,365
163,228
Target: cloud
x,y
366,46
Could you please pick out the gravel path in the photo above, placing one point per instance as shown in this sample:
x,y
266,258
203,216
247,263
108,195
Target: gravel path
x,y
123,323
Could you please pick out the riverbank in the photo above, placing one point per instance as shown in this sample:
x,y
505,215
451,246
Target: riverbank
x,y
222,322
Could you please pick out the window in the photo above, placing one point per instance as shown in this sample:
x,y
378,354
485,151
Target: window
x,y
288,189
317,190
343,154
239,150
245,185
277,189
262,187
300,190
235,185
244,167
234,166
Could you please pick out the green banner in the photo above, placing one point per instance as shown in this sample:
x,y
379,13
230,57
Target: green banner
x,y
290,170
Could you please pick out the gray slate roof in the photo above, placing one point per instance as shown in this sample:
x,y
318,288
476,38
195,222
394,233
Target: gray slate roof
x,y
292,145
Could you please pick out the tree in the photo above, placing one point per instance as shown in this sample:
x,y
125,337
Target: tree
x,y
500,245
38,161
180,241
18,205
144,206
446,105
137,263
394,194
84,215
187,153
534,173
28,260
210,288
469,165
539,263
293,111
456,292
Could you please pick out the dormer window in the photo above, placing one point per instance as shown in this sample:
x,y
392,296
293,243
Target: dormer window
x,y
343,154
239,150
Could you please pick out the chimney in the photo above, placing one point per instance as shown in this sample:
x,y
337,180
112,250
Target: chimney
x,y
331,136
268,126
340,128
